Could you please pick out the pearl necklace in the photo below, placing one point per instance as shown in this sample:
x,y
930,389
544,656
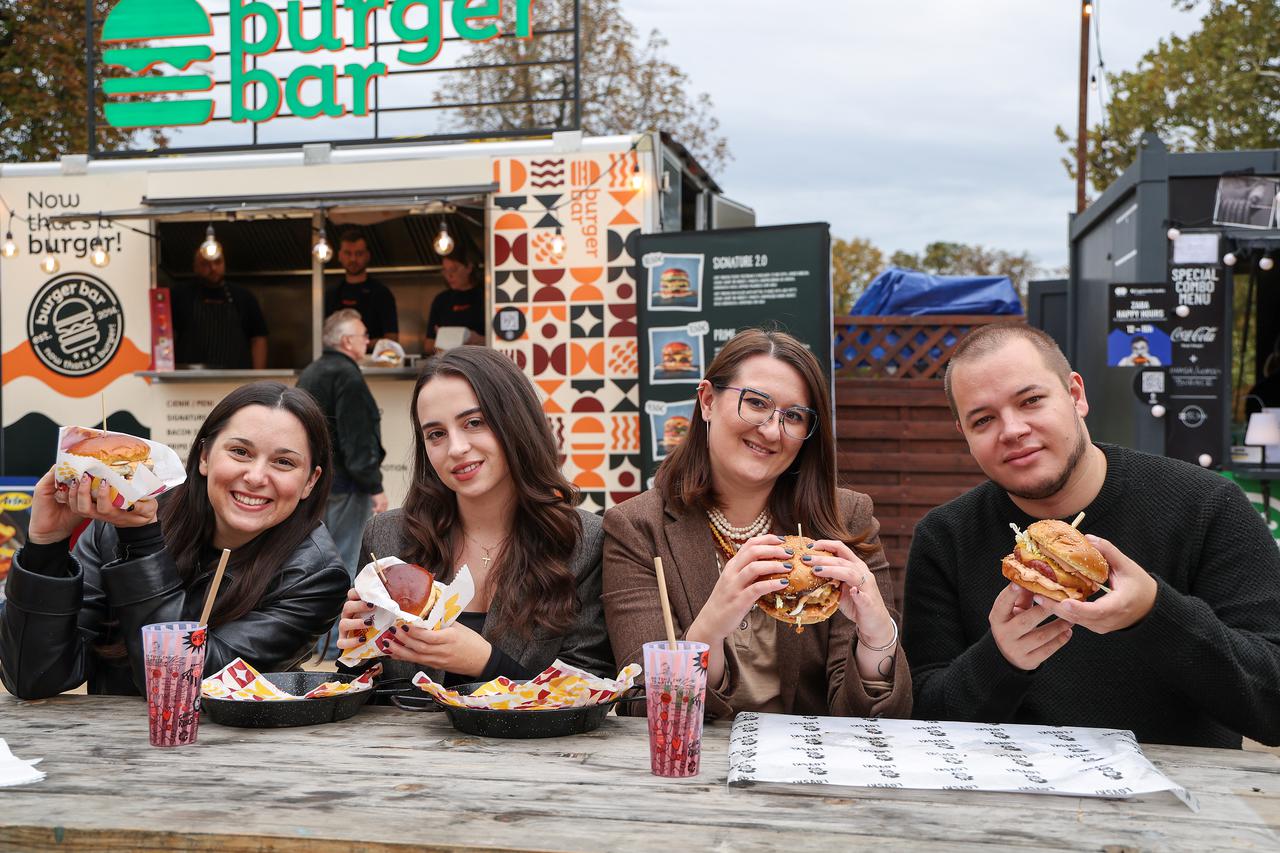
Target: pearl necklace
x,y
742,534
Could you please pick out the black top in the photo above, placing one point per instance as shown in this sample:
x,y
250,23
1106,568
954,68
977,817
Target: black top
x,y
457,308
212,326
62,609
374,301
355,425
1202,669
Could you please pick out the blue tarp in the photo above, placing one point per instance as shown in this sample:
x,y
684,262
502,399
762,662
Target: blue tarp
x,y
907,293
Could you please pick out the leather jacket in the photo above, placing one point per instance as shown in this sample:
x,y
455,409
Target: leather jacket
x,y
61,608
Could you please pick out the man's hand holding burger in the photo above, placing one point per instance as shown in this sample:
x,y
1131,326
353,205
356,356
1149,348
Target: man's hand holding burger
x,y
1015,625
1133,594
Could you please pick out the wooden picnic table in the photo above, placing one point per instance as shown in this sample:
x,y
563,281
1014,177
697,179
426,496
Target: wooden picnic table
x,y
388,779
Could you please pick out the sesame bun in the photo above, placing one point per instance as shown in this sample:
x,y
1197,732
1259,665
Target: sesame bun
x,y
1069,547
823,594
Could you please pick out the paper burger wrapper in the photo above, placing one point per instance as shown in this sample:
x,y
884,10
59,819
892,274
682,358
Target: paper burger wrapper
x,y
450,602
68,468
240,682
387,353
557,686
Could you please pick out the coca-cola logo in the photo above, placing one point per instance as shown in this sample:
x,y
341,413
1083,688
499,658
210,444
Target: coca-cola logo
x,y
1200,335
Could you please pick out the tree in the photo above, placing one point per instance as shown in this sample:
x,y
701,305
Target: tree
x,y
854,263
1218,89
42,80
943,258
627,84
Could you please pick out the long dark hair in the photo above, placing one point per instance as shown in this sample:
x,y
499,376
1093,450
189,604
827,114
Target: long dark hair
x,y
188,520
532,584
807,492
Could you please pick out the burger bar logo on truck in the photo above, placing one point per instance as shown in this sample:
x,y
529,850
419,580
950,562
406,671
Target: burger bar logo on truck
x,y
175,97
75,324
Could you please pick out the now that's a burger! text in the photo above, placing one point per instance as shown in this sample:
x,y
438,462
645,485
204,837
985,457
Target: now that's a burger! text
x,y
807,598
1053,559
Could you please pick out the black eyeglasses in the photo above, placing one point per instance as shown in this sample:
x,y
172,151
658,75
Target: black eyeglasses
x,y
757,408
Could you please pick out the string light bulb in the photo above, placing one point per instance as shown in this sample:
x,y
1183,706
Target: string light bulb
x,y
99,257
637,179
1173,233
443,244
49,264
1093,82
558,243
1230,259
8,249
322,251
1088,9
1266,264
210,249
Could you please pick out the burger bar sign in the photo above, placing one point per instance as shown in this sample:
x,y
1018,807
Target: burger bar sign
x,y
157,43
75,324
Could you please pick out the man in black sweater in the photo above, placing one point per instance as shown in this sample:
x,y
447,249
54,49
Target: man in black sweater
x,y
1185,649
336,382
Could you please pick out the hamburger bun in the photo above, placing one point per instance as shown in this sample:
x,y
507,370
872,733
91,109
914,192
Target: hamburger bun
x,y
112,448
413,587
1053,559
818,597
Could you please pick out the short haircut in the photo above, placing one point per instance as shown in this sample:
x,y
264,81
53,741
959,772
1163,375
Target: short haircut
x,y
985,340
352,235
338,324
1137,338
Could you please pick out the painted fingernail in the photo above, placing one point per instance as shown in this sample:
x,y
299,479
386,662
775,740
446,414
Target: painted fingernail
x,y
369,621
807,558
784,581
817,569
789,551
786,565
368,605
393,629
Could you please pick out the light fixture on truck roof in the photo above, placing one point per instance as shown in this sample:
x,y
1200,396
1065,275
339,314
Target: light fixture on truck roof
x,y
49,264
322,250
210,248
99,257
8,249
443,244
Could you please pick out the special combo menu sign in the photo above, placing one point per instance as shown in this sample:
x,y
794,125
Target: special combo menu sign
x,y
1175,332
699,289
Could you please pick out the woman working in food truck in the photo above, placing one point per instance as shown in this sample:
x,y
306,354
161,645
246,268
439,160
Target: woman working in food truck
x,y
462,304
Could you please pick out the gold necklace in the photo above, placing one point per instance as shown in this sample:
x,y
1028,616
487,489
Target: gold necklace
x,y
486,559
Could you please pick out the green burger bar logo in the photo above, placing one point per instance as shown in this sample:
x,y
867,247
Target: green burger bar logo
x,y
181,98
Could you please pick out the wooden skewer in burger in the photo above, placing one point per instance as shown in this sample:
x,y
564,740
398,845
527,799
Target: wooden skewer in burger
x,y
1053,559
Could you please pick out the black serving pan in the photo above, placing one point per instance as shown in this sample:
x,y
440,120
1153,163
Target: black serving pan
x,y
559,722
288,712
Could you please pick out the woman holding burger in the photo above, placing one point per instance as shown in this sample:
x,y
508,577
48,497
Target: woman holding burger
x,y
487,492
257,478
758,460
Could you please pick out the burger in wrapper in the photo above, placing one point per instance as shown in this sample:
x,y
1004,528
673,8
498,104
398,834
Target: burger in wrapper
x,y
807,598
133,467
387,353
410,595
1053,559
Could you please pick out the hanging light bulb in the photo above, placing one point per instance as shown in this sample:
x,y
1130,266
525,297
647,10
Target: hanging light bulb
x,y
8,249
1088,9
49,264
99,257
1230,259
443,244
558,243
637,179
1266,264
1093,82
210,248
1173,233
322,250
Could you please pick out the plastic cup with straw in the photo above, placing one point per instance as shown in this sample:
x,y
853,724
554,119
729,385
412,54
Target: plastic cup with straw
x,y
173,657
675,691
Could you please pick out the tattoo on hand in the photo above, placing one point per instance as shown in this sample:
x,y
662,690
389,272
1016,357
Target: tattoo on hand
x,y
885,668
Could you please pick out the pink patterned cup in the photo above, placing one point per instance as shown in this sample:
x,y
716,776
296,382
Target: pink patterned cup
x,y
675,681
173,654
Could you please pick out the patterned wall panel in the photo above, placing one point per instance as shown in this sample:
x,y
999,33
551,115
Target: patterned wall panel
x,y
580,348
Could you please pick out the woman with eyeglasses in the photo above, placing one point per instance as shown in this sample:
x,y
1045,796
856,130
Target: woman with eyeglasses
x,y
758,460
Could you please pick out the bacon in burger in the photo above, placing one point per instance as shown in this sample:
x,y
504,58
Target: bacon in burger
x,y
1053,559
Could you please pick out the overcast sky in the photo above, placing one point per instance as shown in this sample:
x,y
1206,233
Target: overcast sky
x,y
906,121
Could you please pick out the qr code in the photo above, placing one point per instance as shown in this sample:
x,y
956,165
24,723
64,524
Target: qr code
x,y
1153,382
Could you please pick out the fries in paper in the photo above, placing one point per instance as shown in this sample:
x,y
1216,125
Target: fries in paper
x,y
240,682
558,686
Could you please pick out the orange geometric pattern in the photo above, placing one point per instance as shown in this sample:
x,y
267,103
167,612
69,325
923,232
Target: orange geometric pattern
x,y
625,433
22,361
586,358
624,359
542,253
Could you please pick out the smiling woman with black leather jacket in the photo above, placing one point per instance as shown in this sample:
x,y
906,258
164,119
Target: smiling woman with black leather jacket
x,y
257,480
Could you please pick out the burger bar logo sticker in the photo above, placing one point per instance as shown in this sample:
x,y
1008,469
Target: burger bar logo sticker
x,y
168,86
75,324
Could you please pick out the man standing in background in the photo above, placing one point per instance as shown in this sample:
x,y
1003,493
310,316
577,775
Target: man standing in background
x,y
369,297
336,382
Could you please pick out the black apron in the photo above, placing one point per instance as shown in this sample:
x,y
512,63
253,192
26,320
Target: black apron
x,y
217,334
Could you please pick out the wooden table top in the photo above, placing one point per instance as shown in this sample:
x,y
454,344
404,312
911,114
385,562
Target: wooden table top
x,y
388,779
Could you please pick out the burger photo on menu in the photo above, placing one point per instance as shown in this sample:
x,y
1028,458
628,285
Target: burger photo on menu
x,y
1053,559
807,598
670,428
675,283
675,356
133,467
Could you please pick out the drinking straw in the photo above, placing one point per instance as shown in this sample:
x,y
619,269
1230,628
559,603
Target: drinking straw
x,y
666,604
213,587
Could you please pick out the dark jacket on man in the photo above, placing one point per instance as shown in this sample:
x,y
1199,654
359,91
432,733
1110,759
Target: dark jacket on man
x,y
336,382
64,610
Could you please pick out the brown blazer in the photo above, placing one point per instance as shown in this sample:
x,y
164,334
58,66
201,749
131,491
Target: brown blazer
x,y
813,664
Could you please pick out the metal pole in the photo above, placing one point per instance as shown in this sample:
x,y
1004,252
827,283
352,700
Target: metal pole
x,y
1082,137
91,128
577,64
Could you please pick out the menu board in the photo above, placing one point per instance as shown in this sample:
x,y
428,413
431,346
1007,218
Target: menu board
x,y
699,288
1177,333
